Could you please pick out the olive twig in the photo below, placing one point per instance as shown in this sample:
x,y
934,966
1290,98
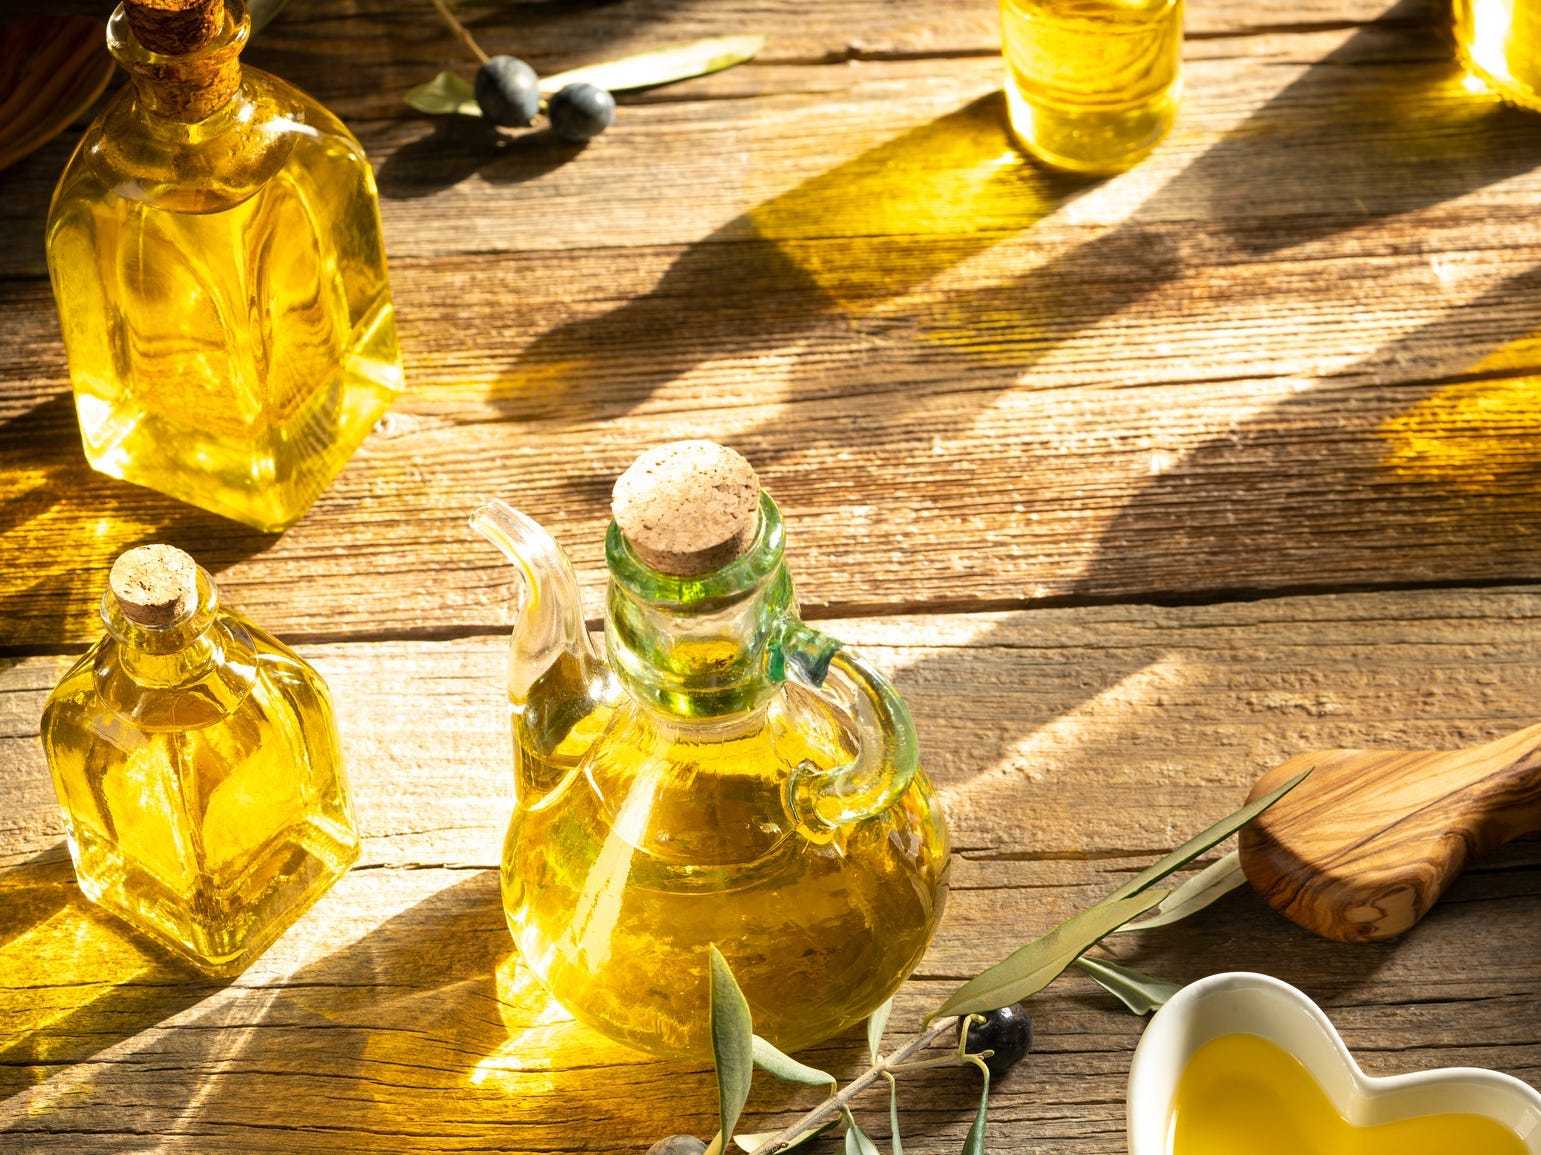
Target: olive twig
x,y
837,1103
462,33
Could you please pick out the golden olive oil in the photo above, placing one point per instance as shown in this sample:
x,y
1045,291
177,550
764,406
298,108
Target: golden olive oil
x,y
1243,1095
1499,42
667,838
198,769
1092,85
728,777
221,286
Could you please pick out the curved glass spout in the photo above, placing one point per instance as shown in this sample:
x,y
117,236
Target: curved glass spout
x,y
560,695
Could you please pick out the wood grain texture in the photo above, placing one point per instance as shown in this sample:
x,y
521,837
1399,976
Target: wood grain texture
x,y
1363,848
1071,745
52,69
1294,351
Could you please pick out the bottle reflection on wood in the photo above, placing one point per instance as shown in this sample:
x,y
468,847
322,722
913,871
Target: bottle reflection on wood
x,y
1092,85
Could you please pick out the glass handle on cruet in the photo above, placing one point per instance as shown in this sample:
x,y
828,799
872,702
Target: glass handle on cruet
x,y
886,747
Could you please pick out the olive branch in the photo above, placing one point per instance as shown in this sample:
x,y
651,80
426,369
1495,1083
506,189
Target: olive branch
x,y
737,1050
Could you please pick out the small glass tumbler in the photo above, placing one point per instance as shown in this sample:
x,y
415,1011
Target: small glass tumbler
x,y
1499,42
1092,85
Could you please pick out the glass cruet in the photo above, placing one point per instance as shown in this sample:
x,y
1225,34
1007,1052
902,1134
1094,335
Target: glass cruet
x,y
728,776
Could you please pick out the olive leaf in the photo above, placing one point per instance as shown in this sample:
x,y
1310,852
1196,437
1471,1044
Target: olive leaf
x,y
1141,993
1199,843
856,1141
786,1068
1215,881
445,93
893,1114
974,1141
758,1139
876,1022
660,65
1030,968
732,1032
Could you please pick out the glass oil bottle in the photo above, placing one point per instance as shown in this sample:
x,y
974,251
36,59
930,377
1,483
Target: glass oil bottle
x,y
731,777
1499,42
198,768
216,257
1092,85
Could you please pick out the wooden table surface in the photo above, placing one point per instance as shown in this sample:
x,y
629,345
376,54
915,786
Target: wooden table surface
x,y
1137,486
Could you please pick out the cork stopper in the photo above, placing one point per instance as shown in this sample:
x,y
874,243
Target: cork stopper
x,y
175,27
689,507
155,585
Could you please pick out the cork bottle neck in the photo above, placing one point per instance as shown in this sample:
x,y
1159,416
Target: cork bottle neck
x,y
193,71
184,627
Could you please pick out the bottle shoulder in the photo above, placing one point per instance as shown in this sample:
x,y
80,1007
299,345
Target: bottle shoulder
x,y
268,130
244,675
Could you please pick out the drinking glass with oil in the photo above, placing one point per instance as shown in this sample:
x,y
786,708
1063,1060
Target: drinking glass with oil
x,y
1092,85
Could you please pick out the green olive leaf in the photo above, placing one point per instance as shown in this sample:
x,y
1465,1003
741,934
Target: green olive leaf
x,y
758,1139
1214,882
786,1068
856,1141
1030,968
974,1141
445,93
660,66
1141,993
1199,843
893,1113
876,1022
732,1032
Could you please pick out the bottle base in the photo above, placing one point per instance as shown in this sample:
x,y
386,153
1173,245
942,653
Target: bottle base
x,y
1091,141
1507,90
218,934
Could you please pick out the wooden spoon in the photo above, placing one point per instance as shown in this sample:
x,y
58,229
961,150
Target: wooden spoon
x,y
1362,848
52,69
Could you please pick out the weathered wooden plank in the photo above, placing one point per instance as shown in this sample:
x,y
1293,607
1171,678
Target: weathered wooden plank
x,y
1333,124
1171,492
1072,745
1303,226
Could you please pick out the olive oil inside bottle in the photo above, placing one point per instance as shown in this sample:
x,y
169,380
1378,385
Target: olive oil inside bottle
x,y
1092,85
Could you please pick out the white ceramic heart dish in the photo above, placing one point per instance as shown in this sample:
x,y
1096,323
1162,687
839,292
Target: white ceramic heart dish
x,y
1245,1003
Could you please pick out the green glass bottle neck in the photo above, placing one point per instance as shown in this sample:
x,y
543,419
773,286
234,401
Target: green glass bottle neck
x,y
706,646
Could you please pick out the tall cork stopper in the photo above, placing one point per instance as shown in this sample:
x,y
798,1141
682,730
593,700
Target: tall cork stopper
x,y
689,507
155,585
184,54
175,27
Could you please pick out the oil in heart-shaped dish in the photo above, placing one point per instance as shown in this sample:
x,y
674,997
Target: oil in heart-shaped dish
x,y
1240,1094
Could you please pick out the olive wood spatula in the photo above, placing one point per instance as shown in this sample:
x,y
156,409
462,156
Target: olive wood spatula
x,y
1363,847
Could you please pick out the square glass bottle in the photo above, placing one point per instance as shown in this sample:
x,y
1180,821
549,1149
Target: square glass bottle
x,y
217,260
197,764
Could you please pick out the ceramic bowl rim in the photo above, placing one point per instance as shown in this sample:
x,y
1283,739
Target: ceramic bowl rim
x,y
1249,1003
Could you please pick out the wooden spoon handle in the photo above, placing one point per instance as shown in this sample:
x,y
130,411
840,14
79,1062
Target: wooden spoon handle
x,y
1363,847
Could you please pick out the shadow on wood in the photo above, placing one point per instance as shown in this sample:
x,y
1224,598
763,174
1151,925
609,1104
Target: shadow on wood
x,y
48,492
423,1034
75,981
458,146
